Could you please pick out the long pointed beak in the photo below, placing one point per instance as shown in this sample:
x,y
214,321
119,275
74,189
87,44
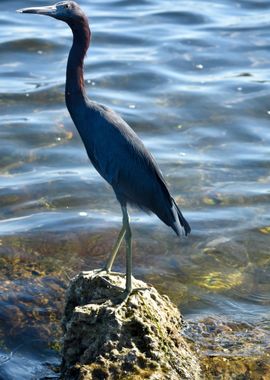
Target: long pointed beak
x,y
48,11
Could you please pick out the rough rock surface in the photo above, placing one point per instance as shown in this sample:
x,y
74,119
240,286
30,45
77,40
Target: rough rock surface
x,y
108,338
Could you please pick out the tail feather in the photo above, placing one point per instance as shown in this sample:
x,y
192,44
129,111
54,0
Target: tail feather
x,y
181,225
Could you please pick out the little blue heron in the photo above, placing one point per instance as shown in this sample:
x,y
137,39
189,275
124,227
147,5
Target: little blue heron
x,y
112,146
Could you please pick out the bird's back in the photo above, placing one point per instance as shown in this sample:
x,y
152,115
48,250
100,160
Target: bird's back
x,y
122,160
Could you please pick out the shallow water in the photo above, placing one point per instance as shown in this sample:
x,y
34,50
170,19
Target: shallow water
x,y
192,79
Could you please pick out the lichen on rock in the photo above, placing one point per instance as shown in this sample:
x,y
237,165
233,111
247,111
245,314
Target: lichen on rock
x,y
106,337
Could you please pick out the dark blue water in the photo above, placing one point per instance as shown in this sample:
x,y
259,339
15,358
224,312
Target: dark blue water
x,y
192,79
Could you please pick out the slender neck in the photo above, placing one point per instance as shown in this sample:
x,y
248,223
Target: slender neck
x,y
75,90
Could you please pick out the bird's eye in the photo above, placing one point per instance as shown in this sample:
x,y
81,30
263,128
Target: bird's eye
x,y
66,6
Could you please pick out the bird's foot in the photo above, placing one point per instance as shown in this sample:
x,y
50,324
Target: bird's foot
x,y
111,285
115,273
125,296
103,272
100,271
129,293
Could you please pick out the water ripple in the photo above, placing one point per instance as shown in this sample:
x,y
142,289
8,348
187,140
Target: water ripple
x,y
192,78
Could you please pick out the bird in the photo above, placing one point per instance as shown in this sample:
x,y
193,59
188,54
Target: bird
x,y
114,149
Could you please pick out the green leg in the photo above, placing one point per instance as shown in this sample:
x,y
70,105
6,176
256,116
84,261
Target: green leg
x,y
126,226
116,247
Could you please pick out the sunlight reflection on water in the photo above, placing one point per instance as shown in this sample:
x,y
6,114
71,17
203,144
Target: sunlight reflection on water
x,y
192,78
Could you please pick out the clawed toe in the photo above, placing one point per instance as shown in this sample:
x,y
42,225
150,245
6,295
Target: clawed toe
x,y
107,282
104,270
124,297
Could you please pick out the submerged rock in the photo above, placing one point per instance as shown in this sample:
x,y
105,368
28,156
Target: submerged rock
x,y
106,337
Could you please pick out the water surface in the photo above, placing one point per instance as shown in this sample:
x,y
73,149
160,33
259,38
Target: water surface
x,y
192,79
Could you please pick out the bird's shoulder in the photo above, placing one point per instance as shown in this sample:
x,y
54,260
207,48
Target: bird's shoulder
x,y
111,120
114,132
128,146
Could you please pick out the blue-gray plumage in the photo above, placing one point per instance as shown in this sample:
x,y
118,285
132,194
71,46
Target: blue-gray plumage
x,y
113,147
